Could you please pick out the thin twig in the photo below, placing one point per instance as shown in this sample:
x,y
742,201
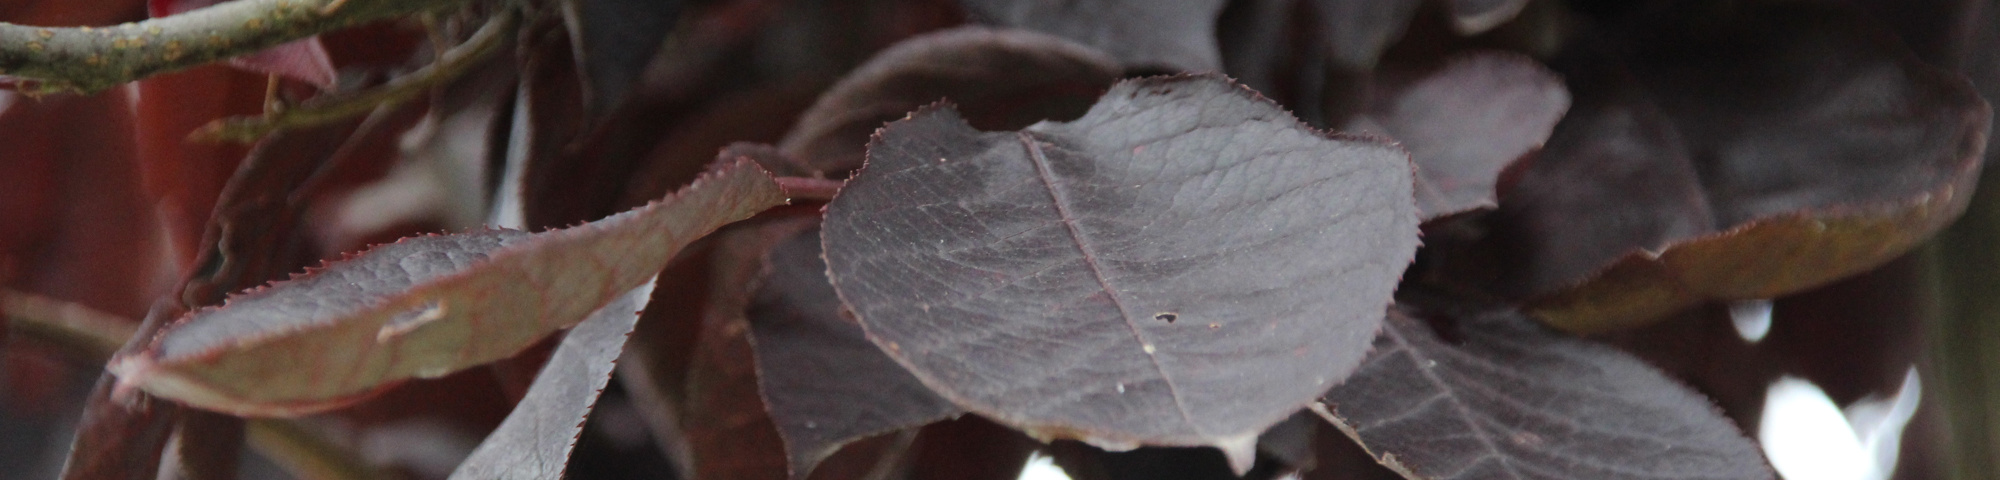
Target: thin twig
x,y
87,59
326,109
92,335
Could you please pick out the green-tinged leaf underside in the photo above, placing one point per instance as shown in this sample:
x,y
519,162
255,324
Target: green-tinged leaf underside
x,y
425,306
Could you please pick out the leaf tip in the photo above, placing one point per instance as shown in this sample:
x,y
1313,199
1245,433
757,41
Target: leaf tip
x,y
1241,450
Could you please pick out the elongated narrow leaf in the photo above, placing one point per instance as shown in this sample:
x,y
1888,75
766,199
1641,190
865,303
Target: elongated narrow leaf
x,y
1185,265
424,306
1171,34
824,383
535,440
1499,396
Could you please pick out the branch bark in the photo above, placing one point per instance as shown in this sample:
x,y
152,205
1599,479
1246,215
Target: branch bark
x,y
322,110
87,59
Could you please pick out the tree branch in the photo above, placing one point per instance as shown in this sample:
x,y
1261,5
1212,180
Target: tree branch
x,y
321,110
89,333
86,59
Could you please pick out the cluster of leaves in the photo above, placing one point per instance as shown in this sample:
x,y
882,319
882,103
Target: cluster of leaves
x,y
1149,239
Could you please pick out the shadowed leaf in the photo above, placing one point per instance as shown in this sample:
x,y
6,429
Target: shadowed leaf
x,y
730,433
1291,441
1612,145
1002,79
966,448
1465,121
1744,156
1357,31
614,40
535,440
1503,397
425,306
1171,34
824,383
1184,265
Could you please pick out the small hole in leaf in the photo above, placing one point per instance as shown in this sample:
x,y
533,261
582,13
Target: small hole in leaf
x,y
1168,317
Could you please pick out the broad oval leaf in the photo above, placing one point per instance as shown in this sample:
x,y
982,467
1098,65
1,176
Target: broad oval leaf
x,y
1465,121
824,383
424,306
1843,153
536,439
1186,264
1171,34
1504,397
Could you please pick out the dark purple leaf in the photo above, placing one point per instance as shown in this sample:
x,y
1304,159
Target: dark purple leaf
x,y
1700,347
1291,441
425,306
1171,34
1338,457
969,448
825,384
1499,396
730,432
1612,145
119,439
1002,79
1472,17
1184,265
121,435
206,446
535,440
692,367
735,124
614,40
549,123
1734,157
1465,121
1255,37
1357,31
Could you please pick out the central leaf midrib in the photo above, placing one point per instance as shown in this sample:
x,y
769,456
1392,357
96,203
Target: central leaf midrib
x,y
1077,238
